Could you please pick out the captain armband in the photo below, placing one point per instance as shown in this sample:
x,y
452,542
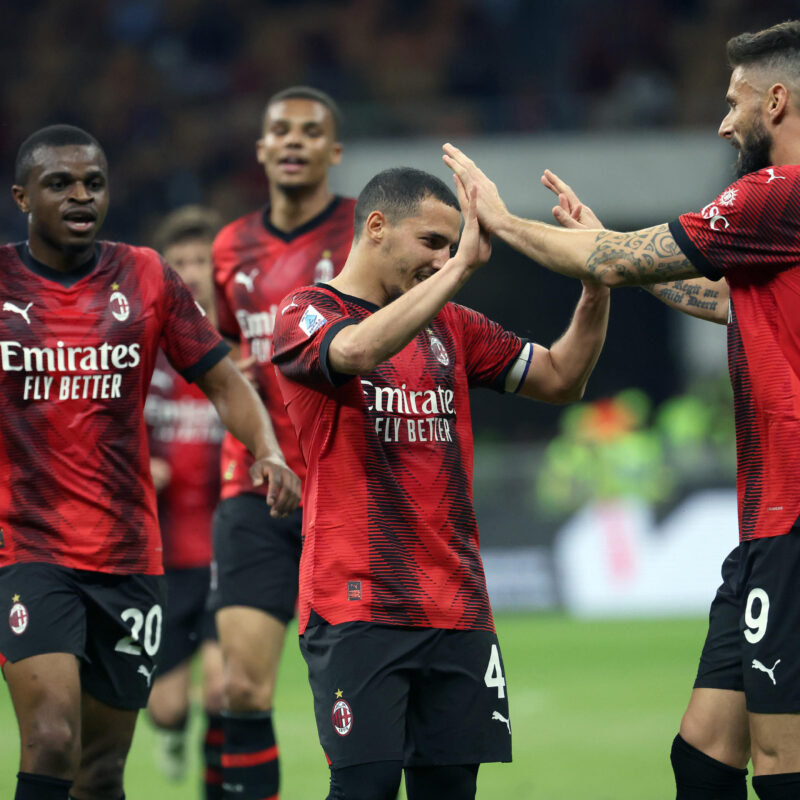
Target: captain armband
x,y
519,369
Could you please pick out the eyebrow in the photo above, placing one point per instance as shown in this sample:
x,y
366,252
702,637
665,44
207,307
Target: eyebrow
x,y
62,173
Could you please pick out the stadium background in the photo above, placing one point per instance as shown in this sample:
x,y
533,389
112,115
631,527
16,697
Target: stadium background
x,y
598,511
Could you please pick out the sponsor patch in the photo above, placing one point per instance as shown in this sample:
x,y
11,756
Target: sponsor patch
x,y
353,590
311,321
342,717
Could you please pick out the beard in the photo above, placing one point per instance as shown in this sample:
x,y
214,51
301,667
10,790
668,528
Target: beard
x,y
754,152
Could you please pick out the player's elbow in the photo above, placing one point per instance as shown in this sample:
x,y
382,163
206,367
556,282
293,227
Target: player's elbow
x,y
567,393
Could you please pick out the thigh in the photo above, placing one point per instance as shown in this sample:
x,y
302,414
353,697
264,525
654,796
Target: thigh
x,y
45,612
458,708
185,616
716,723
770,622
256,557
721,658
359,676
125,616
251,641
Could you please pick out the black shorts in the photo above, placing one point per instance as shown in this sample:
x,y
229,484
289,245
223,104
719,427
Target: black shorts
x,y
753,641
256,557
188,622
423,696
112,623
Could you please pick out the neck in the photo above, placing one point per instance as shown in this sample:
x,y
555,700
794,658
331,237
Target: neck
x,y
57,258
358,278
289,210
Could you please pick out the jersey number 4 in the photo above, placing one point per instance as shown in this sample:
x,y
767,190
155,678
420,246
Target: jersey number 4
x,y
494,673
151,622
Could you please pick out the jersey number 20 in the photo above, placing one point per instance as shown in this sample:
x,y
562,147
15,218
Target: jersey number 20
x,y
152,631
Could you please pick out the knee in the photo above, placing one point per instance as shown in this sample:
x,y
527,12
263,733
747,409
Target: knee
x,y
51,746
214,696
725,743
245,692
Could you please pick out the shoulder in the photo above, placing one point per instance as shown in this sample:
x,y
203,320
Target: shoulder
x,y
144,259
232,235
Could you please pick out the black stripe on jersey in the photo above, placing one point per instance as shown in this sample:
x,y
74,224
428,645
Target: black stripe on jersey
x,y
337,379
210,359
692,252
288,236
64,278
365,304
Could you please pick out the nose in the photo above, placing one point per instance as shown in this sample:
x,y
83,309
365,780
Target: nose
x,y
441,257
726,127
80,192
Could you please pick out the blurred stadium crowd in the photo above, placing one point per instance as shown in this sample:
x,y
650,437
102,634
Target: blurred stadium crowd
x,y
174,88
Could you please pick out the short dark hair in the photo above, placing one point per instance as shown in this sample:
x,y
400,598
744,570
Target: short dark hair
x,y
777,48
308,93
187,222
397,193
51,136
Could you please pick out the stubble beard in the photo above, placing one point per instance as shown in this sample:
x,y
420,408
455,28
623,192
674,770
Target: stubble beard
x,y
755,151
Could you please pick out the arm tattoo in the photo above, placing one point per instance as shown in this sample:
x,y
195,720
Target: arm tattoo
x,y
641,257
687,295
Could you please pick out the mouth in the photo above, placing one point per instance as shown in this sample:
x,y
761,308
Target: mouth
x,y
80,220
292,164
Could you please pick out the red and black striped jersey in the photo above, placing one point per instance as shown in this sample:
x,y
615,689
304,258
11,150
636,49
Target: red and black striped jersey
x,y
255,266
750,235
77,351
389,529
184,431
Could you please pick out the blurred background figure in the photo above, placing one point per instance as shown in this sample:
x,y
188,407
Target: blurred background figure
x,y
185,436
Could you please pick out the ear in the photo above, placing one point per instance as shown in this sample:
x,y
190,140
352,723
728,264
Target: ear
x,y
777,102
261,151
18,193
336,154
376,226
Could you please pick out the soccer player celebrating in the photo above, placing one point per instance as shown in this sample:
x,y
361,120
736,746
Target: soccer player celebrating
x,y
80,563
745,699
185,434
303,235
375,367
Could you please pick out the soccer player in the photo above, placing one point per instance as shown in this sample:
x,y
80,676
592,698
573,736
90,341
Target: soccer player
x,y
185,435
81,322
746,699
375,368
301,236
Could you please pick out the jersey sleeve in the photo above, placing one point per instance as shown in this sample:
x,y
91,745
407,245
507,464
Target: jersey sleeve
x,y
226,319
489,349
750,227
305,325
188,339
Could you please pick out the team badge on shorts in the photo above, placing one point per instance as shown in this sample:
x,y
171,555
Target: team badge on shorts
x,y
18,616
342,715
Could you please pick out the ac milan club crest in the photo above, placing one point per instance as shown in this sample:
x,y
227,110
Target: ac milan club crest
x,y
437,348
120,307
342,717
323,271
18,617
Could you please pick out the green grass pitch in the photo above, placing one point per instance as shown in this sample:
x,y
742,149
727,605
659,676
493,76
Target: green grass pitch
x,y
594,708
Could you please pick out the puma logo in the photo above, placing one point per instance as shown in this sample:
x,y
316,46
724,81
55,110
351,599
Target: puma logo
x,y
291,305
23,312
148,674
774,177
500,718
770,671
246,279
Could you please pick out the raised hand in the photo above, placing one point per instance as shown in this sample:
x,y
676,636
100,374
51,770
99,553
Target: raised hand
x,y
491,209
475,245
570,212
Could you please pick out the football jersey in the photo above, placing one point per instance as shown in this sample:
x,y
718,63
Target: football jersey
x,y
255,267
184,431
77,351
750,235
389,529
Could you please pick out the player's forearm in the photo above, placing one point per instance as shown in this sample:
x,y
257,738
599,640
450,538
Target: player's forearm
x,y
240,409
358,349
614,259
699,298
575,354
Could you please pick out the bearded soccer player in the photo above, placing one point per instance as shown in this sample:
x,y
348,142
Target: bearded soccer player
x,y
185,435
80,562
301,236
746,697
375,368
